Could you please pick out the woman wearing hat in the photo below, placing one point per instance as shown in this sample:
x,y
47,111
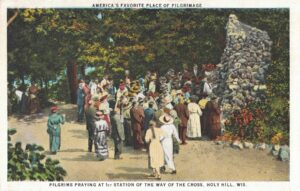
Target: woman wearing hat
x,y
153,136
54,131
100,134
167,143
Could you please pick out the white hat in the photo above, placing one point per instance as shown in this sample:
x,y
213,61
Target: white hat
x,y
168,99
166,119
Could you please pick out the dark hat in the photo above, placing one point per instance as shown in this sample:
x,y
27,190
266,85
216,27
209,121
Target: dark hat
x,y
99,114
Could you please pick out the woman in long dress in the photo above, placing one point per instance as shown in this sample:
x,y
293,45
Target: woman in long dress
x,y
154,136
100,135
194,125
213,122
54,131
167,143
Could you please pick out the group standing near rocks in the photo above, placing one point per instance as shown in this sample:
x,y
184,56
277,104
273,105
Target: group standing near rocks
x,y
156,113
147,118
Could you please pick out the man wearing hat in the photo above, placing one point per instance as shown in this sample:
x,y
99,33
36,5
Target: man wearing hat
x,y
167,143
121,91
117,133
125,109
54,131
149,115
90,122
183,114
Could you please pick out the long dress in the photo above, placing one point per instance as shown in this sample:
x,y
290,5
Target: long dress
x,y
167,144
155,148
100,134
194,125
213,122
54,131
137,121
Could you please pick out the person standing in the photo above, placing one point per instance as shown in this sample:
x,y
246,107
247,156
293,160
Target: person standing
x,y
104,106
205,87
194,125
183,114
93,87
137,120
117,133
205,115
87,95
33,101
90,123
100,134
54,130
80,101
213,122
153,137
125,109
149,115
152,84
167,143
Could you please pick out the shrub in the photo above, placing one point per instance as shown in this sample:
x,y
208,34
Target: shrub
x,y
265,121
30,164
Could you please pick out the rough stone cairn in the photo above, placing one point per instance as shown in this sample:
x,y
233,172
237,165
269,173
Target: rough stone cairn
x,y
240,76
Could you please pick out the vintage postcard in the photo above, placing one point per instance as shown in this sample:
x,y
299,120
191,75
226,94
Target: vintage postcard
x,y
149,95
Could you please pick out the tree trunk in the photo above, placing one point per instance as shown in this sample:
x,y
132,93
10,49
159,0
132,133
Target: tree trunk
x,y
72,80
82,71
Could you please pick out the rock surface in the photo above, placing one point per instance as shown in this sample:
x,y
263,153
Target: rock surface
x,y
240,76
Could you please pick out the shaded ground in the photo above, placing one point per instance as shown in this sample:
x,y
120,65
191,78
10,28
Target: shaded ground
x,y
198,160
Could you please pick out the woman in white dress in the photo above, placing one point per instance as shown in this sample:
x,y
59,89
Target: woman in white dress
x,y
194,125
167,143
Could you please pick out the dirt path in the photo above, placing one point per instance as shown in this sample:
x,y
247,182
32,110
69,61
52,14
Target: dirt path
x,y
199,160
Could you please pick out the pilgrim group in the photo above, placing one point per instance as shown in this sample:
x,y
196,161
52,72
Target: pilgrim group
x,y
153,113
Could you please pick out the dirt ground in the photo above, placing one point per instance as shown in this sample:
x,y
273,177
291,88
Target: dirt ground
x,y
198,160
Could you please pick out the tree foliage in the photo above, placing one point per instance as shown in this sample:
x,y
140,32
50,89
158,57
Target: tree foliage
x,y
41,42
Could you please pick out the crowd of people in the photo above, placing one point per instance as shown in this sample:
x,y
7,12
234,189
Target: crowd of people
x,y
153,114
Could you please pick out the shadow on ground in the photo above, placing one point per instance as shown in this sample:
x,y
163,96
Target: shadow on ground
x,y
79,133
89,156
127,176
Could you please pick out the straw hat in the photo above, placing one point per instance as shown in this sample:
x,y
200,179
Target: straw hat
x,y
179,92
135,89
166,119
103,96
168,99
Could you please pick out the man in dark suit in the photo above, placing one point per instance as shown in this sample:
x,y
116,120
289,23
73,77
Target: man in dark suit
x,y
90,122
183,114
117,132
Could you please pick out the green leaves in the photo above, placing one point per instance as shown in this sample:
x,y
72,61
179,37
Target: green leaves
x,y
30,164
